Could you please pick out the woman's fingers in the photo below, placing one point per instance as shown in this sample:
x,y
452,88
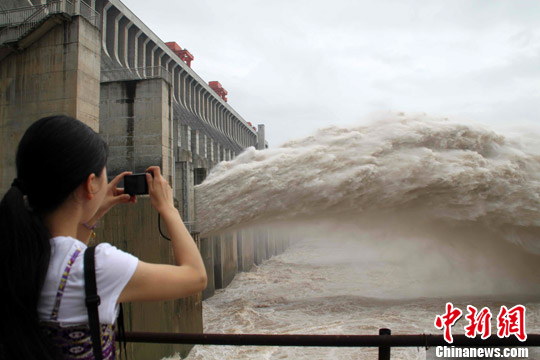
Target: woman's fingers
x,y
154,170
114,182
119,177
122,199
150,182
159,190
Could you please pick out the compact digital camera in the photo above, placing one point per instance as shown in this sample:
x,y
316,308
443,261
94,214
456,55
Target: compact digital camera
x,y
135,184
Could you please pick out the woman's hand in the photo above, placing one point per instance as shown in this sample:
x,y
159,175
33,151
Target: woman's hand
x,y
161,193
114,196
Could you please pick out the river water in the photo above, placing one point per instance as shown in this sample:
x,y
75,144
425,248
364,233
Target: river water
x,y
389,221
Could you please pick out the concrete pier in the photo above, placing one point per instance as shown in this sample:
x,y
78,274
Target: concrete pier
x,y
57,74
237,251
135,120
246,250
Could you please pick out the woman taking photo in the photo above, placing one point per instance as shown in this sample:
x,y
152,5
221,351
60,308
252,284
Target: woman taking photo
x,y
46,218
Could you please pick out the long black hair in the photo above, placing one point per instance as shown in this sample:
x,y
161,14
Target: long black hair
x,y
55,155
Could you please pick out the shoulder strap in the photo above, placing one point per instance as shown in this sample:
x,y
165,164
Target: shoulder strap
x,y
92,301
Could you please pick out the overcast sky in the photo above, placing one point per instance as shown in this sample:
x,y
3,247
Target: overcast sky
x,y
297,65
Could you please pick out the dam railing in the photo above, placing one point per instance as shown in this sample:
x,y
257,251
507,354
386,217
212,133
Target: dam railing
x,y
384,341
139,73
17,23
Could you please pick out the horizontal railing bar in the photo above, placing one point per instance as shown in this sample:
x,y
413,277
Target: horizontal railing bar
x,y
138,73
138,68
423,340
23,8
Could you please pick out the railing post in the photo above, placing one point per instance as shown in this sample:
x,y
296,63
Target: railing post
x,y
384,351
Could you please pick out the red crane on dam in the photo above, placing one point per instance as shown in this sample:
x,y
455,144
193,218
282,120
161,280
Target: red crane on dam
x,y
216,86
183,54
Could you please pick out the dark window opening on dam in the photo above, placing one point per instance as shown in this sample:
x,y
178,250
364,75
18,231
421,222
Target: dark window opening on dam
x,y
200,175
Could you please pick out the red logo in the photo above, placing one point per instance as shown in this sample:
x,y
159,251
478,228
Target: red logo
x,y
448,320
512,322
509,322
479,322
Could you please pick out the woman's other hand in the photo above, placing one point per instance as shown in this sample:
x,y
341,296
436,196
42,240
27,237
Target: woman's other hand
x,y
114,196
161,193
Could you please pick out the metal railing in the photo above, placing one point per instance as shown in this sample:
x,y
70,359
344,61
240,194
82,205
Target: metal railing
x,y
140,73
89,14
384,341
14,17
16,23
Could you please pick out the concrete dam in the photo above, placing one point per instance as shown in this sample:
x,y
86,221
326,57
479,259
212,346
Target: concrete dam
x,y
96,61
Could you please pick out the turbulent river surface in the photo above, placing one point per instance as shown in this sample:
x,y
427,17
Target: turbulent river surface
x,y
388,222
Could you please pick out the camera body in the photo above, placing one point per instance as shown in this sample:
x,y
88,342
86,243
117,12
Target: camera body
x,y
136,184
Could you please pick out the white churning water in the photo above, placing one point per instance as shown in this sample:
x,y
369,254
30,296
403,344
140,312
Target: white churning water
x,y
390,221
438,169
